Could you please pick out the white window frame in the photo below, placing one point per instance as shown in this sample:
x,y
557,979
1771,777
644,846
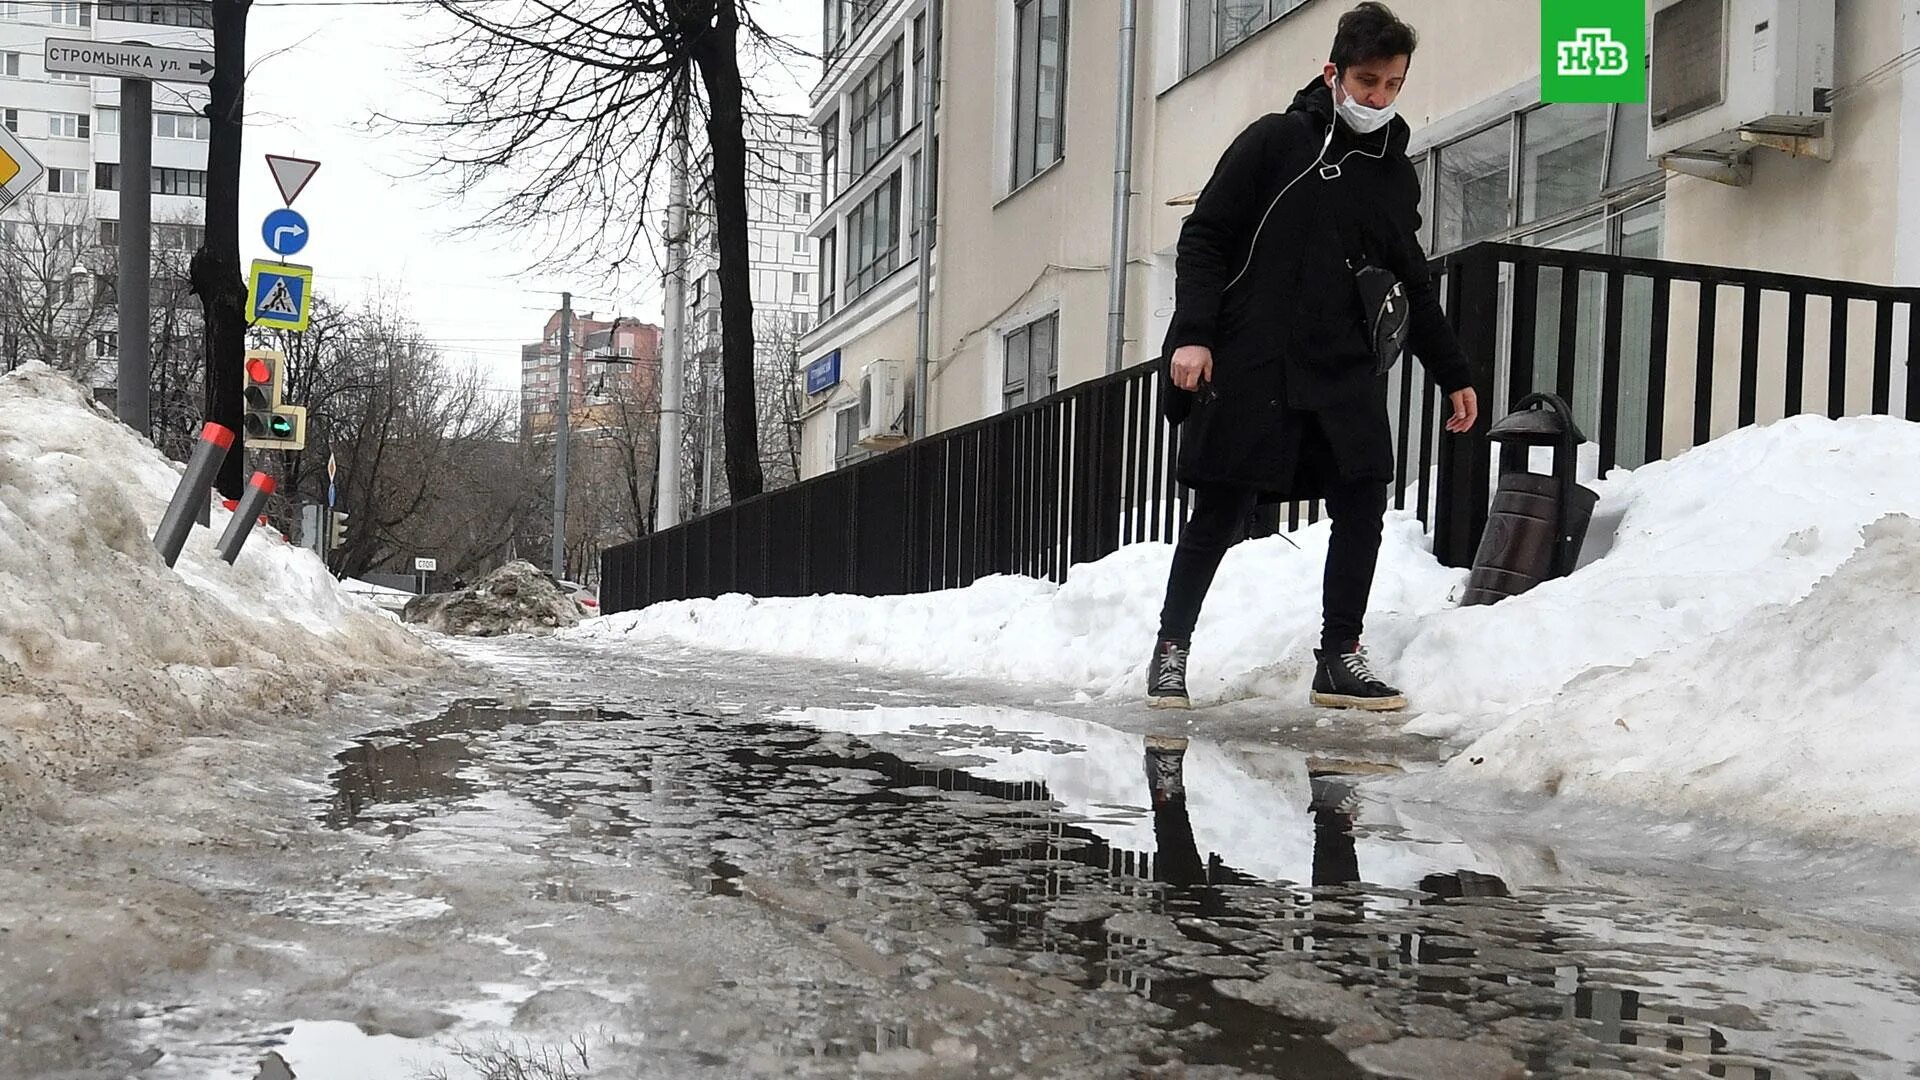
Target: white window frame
x,y
1025,126
64,125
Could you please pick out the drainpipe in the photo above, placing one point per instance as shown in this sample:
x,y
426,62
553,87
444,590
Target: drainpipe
x,y
923,311
1122,191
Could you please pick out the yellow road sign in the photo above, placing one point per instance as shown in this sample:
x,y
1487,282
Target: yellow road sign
x,y
19,169
279,296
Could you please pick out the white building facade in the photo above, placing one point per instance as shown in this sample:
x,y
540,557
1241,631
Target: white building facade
x,y
782,200
71,123
1020,303
866,114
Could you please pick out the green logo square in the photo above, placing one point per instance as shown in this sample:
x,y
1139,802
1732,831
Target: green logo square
x,y
1593,51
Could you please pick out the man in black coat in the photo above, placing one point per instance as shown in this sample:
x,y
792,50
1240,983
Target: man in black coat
x,y
1273,365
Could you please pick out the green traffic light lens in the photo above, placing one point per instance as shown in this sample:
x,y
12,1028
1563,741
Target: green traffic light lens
x,y
281,427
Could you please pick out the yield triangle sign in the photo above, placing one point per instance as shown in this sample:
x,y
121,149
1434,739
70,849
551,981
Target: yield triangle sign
x,y
291,174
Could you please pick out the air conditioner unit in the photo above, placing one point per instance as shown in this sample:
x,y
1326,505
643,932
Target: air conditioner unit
x,y
883,403
1726,75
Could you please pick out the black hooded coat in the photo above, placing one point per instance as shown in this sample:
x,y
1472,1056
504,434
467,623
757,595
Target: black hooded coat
x,y
1262,279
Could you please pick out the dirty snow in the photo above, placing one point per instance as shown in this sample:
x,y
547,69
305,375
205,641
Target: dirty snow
x,y
105,653
1682,551
514,599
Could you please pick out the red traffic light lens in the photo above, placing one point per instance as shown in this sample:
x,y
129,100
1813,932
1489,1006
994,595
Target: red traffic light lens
x,y
259,371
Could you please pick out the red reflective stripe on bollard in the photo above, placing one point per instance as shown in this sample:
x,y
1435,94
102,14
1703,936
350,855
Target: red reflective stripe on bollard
x,y
263,482
219,436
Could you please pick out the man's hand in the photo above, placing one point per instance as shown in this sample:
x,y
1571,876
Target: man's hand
x,y
1466,411
1192,365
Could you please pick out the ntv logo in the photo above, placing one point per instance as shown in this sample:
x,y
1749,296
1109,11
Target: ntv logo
x,y
1593,52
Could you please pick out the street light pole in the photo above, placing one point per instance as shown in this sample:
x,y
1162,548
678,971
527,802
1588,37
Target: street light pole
x,y
561,434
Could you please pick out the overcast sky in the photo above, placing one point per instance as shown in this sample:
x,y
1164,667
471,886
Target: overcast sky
x,y
319,74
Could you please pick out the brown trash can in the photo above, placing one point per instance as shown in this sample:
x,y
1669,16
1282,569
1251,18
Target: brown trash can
x,y
1537,522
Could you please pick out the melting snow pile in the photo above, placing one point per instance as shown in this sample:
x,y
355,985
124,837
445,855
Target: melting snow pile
x,y
106,653
1699,570
515,599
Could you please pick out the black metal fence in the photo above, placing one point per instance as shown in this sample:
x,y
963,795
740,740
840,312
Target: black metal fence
x,y
1651,354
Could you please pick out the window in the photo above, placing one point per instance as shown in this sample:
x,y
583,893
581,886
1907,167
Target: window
x,y
181,126
71,13
167,13
168,237
10,119
800,244
846,435
800,284
61,76
803,202
69,126
803,164
1628,159
64,181
874,235
106,345
9,9
108,122
109,233
830,158
829,274
10,65
1032,361
1563,151
1040,84
875,103
165,181
844,21
1211,27
1472,189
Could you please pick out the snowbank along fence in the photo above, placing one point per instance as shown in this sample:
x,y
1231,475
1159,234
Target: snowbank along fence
x,y
1655,357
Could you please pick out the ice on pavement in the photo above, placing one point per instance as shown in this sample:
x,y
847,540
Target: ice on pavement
x,y
1713,553
105,652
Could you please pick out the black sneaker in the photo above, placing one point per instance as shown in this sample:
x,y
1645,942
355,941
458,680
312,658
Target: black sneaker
x,y
1165,758
1167,677
1345,681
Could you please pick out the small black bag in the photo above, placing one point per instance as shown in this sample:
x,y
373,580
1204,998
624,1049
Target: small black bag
x,y
1384,312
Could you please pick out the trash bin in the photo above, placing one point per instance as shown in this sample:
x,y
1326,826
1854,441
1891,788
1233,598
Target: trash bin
x,y
1537,522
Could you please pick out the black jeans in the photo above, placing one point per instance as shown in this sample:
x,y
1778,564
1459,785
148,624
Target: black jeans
x,y
1356,508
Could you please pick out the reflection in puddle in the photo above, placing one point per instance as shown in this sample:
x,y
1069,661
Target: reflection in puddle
x,y
1271,922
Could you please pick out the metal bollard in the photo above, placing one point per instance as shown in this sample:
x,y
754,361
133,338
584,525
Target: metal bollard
x,y
177,522
251,505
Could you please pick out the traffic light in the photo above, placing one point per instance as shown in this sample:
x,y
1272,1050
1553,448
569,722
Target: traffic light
x,y
269,424
337,530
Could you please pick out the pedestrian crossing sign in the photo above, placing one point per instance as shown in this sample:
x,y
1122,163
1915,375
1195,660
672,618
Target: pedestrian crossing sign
x,y
279,297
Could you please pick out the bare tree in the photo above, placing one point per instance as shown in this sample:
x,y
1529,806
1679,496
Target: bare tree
x,y
55,289
571,107
216,266
428,459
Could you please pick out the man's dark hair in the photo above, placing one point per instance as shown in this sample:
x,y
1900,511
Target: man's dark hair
x,y
1369,33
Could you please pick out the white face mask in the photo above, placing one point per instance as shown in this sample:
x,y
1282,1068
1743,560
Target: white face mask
x,y
1364,120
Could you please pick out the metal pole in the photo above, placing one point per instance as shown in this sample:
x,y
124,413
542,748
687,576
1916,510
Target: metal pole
x,y
1122,191
252,504
929,177
136,254
561,436
673,348
710,396
194,485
